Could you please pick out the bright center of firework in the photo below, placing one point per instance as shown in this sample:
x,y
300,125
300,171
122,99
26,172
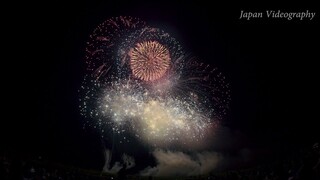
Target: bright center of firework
x,y
149,60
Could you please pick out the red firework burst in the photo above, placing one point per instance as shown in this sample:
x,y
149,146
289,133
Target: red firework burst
x,y
149,60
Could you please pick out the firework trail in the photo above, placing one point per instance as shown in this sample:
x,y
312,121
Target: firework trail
x,y
103,45
140,82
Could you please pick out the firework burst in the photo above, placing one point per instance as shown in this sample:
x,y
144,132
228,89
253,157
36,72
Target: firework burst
x,y
140,82
149,60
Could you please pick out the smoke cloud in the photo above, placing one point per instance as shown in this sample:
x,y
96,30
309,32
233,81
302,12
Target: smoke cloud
x,y
127,163
170,163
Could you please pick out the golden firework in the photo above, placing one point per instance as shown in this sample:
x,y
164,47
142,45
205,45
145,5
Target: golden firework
x,y
149,60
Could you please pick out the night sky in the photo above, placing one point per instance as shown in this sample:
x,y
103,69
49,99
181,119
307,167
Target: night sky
x,y
270,64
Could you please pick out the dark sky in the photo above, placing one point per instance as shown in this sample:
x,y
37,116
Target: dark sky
x,y
271,65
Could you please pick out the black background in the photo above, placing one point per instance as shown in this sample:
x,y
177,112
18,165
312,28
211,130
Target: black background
x,y
270,63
